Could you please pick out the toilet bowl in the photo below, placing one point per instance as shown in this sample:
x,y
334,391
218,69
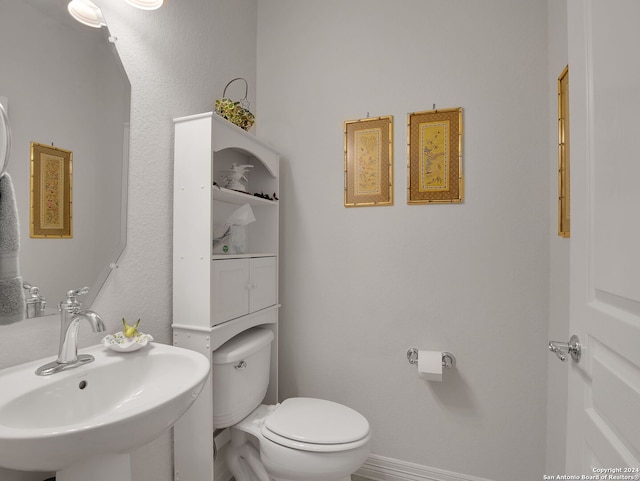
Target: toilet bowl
x,y
300,439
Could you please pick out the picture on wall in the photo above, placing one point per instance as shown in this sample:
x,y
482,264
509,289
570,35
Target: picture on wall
x,y
51,190
564,218
434,167
368,162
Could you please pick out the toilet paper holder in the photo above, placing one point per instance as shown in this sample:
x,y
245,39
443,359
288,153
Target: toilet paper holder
x,y
448,359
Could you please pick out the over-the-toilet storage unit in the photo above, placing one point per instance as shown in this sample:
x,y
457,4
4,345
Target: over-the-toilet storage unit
x,y
215,297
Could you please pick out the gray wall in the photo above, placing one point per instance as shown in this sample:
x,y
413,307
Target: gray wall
x,y
559,253
359,286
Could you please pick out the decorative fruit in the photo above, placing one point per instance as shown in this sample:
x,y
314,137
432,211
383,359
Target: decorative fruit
x,y
129,331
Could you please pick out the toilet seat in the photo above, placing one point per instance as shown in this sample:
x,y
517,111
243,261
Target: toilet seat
x,y
316,425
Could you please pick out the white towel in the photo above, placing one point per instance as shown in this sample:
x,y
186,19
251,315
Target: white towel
x,y
12,305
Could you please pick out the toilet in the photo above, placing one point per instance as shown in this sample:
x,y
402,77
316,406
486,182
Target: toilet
x,y
300,439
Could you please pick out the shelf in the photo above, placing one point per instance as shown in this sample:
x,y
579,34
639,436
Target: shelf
x,y
240,198
206,146
221,333
217,257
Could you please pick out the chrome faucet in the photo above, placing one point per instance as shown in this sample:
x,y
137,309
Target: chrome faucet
x,y
70,318
35,303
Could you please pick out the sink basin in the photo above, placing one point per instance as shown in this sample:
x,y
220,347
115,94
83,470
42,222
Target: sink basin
x,y
108,407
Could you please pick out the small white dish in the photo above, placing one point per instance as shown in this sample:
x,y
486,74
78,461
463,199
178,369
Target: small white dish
x,y
119,343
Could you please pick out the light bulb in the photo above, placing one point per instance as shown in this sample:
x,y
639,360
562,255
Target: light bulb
x,y
87,13
145,4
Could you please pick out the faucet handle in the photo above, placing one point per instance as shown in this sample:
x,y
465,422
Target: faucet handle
x,y
34,292
77,292
72,295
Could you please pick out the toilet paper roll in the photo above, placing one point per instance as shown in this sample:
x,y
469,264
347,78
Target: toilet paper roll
x,y
430,365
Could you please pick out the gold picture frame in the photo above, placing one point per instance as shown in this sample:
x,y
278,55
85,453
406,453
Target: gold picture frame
x,y
564,216
51,191
368,162
434,166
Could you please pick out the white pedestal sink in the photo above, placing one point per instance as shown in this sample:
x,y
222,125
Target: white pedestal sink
x,y
82,423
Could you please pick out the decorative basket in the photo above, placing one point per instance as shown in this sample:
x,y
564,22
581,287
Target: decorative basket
x,y
236,112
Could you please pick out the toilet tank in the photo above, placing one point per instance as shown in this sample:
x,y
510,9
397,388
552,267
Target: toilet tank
x,y
240,375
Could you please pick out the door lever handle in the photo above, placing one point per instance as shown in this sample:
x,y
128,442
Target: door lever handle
x,y
562,349
557,350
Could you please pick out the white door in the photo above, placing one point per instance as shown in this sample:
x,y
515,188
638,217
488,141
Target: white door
x,y
603,431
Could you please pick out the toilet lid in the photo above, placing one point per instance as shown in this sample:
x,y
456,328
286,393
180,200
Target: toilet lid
x,y
307,421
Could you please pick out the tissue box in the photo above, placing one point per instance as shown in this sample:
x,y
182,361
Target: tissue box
x,y
222,245
234,242
239,238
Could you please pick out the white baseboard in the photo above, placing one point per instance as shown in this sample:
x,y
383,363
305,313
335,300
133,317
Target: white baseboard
x,y
380,468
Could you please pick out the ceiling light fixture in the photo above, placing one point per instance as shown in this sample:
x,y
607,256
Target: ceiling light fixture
x,y
86,12
145,4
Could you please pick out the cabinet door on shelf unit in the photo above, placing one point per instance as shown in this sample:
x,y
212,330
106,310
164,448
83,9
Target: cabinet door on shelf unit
x,y
263,283
230,284
242,286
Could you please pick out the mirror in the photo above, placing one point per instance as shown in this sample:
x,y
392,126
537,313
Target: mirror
x,y
65,86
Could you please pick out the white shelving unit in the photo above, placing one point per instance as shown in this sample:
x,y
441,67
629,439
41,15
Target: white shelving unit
x,y
216,297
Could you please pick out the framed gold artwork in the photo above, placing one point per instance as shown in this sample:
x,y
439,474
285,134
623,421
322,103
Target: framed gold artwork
x,y
51,191
368,162
564,217
434,166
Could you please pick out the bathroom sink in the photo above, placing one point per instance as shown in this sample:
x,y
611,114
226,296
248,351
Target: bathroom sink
x,y
108,407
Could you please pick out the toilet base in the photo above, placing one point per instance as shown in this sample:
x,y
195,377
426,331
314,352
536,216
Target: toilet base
x,y
243,461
